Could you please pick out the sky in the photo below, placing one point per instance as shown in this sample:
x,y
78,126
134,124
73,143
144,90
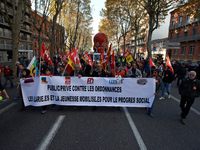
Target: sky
x,y
97,6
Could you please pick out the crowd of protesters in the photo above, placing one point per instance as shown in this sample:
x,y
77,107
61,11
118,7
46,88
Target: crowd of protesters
x,y
136,69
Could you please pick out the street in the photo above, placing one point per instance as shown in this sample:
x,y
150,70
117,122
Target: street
x,y
104,129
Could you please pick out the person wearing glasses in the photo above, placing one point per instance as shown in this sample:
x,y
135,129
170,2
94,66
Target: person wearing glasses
x,y
189,89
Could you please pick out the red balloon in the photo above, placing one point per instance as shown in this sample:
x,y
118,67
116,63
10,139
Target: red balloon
x,y
100,42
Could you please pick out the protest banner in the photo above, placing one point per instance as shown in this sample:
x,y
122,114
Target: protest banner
x,y
128,56
88,91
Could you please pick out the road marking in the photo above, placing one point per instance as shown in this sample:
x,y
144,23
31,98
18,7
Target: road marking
x,y
135,131
7,107
192,109
52,132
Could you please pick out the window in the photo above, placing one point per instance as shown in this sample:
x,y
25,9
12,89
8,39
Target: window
x,y
178,33
191,50
186,32
33,31
194,32
183,50
173,20
180,19
1,32
188,18
175,52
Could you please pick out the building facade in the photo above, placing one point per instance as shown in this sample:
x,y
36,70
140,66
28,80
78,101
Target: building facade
x,y
25,37
59,45
185,29
158,48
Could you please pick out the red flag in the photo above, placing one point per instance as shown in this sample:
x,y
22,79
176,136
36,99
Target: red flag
x,y
85,57
106,59
168,63
45,55
112,64
151,62
90,61
71,58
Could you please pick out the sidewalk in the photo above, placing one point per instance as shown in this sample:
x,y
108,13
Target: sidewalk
x,y
15,80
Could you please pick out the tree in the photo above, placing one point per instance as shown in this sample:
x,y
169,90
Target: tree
x,y
55,9
114,11
15,23
78,19
138,19
157,11
38,25
111,29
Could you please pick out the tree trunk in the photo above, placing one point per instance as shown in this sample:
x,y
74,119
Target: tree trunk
x,y
135,46
150,32
52,38
124,36
15,40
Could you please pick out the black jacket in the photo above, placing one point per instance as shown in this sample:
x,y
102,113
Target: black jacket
x,y
97,73
189,88
182,71
81,72
168,76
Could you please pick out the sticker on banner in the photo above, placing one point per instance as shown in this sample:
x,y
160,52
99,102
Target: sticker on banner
x,y
90,81
142,81
44,80
117,81
67,80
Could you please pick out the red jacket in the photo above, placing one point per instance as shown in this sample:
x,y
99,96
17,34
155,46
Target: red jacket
x,y
1,70
120,73
8,72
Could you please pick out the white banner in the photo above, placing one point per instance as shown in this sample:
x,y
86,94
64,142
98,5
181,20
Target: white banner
x,y
88,91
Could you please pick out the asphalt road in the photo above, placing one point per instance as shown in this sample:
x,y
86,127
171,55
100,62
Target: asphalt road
x,y
104,129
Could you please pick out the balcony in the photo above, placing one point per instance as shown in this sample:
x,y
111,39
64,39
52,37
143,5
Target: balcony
x,y
6,46
25,29
188,38
183,23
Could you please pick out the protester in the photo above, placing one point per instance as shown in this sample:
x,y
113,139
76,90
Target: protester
x,y
1,71
189,89
57,68
47,73
167,78
8,73
118,72
20,76
62,71
134,72
25,73
181,73
4,91
88,69
98,72
127,68
159,68
155,75
77,72
43,67
17,64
